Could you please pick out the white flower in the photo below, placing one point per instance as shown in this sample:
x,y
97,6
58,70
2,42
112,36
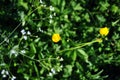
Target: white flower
x,y
7,40
53,71
51,16
50,74
2,64
61,66
61,59
43,5
25,37
41,30
41,1
23,32
54,14
50,21
28,33
3,71
13,52
23,51
4,75
7,73
13,78
52,8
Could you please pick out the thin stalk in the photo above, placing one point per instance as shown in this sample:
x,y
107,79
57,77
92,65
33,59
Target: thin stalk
x,y
80,46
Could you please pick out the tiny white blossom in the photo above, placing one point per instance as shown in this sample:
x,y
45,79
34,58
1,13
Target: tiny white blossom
x,y
43,5
25,37
28,33
59,69
50,21
7,40
54,14
13,78
41,30
61,66
2,64
53,71
52,8
3,71
23,32
16,55
41,1
50,74
61,59
22,51
51,16
7,73
4,75
13,52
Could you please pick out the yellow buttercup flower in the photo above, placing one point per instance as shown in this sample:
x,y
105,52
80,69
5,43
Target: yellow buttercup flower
x,y
104,31
56,37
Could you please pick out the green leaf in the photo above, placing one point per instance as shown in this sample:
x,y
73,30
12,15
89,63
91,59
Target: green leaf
x,y
23,4
56,2
26,76
84,54
79,66
74,55
32,48
67,71
87,18
101,18
114,8
104,5
96,76
37,40
62,5
78,7
36,69
115,23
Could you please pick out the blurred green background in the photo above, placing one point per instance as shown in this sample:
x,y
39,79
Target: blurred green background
x,y
27,51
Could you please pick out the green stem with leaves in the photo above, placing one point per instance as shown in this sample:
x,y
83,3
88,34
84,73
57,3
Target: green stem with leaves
x,y
80,46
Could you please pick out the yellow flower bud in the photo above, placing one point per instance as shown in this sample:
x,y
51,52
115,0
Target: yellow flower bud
x,y
104,31
56,38
99,40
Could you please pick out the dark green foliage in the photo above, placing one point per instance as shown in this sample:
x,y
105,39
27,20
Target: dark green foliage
x,y
28,52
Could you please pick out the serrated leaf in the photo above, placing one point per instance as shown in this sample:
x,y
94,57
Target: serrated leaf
x,y
114,8
104,6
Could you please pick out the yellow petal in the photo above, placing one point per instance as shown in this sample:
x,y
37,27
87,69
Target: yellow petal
x,y
56,38
104,31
